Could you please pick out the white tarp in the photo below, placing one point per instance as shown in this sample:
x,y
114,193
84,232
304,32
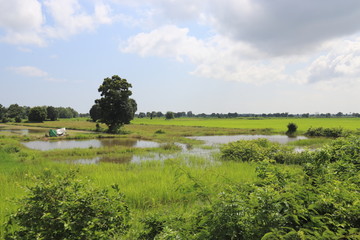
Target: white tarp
x,y
61,132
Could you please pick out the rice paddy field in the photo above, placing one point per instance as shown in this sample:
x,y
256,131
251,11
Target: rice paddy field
x,y
171,185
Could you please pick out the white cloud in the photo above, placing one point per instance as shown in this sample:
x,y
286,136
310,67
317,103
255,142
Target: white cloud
x,y
341,63
216,57
22,22
33,22
29,71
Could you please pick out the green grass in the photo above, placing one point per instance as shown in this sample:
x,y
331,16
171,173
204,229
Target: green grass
x,y
174,184
277,125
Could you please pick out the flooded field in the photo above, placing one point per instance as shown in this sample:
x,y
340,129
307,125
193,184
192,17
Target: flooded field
x,y
216,140
94,143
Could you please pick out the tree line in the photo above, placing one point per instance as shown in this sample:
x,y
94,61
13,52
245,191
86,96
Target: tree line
x,y
17,113
190,114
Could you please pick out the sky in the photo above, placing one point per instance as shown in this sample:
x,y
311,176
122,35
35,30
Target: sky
x,y
204,56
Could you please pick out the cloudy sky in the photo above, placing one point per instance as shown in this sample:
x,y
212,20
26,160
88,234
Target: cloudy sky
x,y
245,56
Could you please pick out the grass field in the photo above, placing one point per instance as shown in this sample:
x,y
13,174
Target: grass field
x,y
152,186
277,125
210,125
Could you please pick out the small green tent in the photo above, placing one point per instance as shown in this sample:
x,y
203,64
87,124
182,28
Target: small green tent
x,y
52,133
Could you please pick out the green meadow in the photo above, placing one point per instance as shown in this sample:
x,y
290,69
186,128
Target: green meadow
x,y
274,125
174,189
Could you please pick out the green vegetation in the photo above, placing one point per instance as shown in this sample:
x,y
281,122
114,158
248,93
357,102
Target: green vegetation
x,y
116,106
327,132
37,114
63,207
292,127
273,125
250,190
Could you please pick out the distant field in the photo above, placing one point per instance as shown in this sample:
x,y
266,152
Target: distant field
x,y
275,124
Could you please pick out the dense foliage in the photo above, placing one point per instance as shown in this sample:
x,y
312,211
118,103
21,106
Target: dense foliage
x,y
259,150
37,114
327,132
117,108
52,113
16,113
63,207
292,127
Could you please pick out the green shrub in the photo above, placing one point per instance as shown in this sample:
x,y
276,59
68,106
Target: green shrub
x,y
292,127
259,150
63,207
327,132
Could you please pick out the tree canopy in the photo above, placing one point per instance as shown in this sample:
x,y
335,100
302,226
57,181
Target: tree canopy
x,y
37,114
117,108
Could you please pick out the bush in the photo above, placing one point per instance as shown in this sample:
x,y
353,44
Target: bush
x,y
258,150
327,132
292,127
63,207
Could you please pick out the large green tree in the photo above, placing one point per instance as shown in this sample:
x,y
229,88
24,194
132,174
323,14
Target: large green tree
x,y
117,108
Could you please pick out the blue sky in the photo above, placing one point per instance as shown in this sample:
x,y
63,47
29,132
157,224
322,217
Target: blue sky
x,y
245,56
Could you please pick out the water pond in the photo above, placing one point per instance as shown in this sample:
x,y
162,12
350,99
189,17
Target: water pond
x,y
213,141
95,143
185,153
216,140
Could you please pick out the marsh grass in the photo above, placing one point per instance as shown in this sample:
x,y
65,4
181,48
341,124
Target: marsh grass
x,y
310,142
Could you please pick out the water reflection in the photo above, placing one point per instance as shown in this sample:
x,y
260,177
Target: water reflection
x,y
185,153
216,140
94,143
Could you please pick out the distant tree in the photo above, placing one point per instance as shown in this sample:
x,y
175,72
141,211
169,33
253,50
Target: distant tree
x,y
305,115
159,114
15,110
67,112
37,114
189,114
142,115
292,127
95,112
169,115
52,113
2,111
116,106
339,114
74,114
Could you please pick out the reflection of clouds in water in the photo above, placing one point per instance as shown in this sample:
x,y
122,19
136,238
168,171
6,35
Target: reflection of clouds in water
x,y
185,154
95,143
215,140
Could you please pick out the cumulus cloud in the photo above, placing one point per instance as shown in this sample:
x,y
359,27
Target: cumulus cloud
x,y
259,41
33,22
22,21
216,57
342,62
